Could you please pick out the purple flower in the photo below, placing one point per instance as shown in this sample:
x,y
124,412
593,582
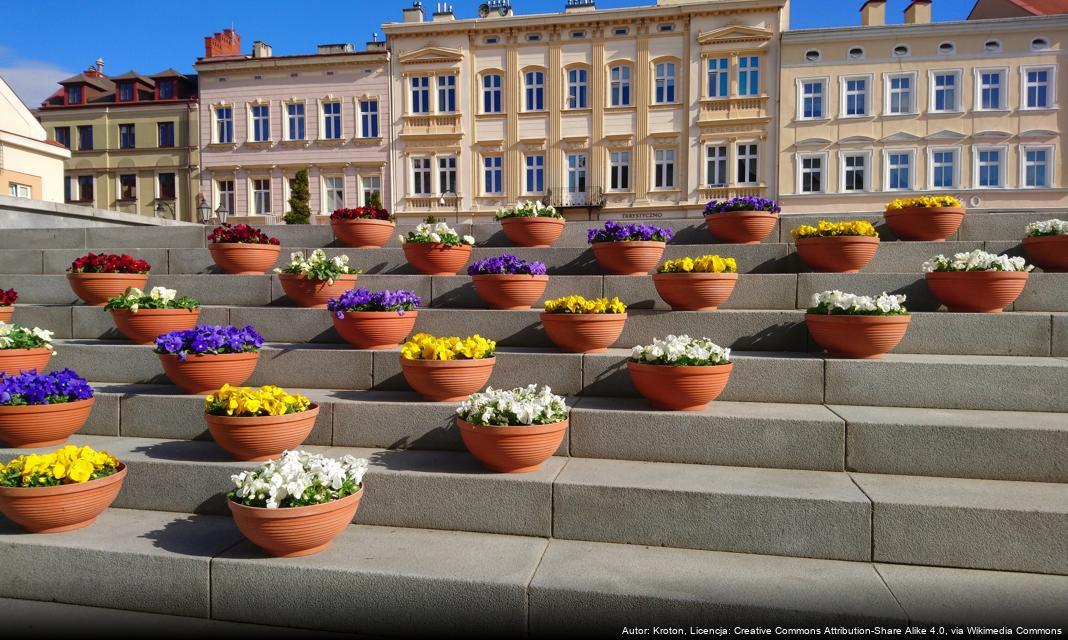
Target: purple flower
x,y
748,203
32,388
400,301
506,264
615,232
209,340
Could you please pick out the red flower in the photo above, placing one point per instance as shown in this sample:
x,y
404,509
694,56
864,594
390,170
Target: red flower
x,y
109,263
242,233
362,213
8,298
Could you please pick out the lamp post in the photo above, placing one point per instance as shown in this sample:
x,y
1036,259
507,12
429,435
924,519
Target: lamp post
x,y
204,211
222,212
162,209
455,201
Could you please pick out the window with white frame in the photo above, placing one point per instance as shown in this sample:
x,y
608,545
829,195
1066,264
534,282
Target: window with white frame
x,y
261,123
369,118
447,94
226,197
1036,166
989,167
447,174
372,189
619,170
224,125
619,85
334,192
420,87
535,173
899,170
421,177
664,79
577,88
810,173
990,89
855,96
18,190
492,93
749,76
534,88
718,72
899,93
945,91
855,172
664,169
261,196
944,168
332,120
812,92
716,166
747,164
1037,87
492,174
295,121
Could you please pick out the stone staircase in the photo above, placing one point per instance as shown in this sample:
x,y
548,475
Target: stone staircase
x,y
930,487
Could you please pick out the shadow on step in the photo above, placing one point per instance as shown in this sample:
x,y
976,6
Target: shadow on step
x,y
186,536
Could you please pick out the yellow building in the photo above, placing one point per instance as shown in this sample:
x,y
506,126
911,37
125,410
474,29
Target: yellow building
x,y
133,140
877,112
641,112
30,165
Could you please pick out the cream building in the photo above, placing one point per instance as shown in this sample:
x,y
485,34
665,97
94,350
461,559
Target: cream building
x,y
30,165
877,112
638,112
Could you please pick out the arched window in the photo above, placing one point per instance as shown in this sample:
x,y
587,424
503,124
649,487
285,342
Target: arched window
x,y
665,77
1039,44
992,46
492,92
947,48
619,87
578,88
812,55
534,90
856,53
901,50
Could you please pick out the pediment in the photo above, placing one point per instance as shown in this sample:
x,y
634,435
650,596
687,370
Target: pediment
x,y
813,142
1037,134
430,54
992,134
733,34
857,140
900,136
946,134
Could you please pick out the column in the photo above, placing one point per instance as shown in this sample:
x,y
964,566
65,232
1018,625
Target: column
x,y
512,157
642,169
554,158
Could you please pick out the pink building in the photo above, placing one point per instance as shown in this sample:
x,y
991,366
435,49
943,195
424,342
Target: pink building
x,y
265,117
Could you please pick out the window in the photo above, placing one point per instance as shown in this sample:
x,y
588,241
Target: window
x,y
619,81
334,190
261,196
420,94
493,174
226,195
718,77
535,90
332,120
261,123
666,28
944,91
126,92
1039,44
812,55
992,46
166,186
944,168
369,118
491,40
854,97
900,51
224,125
620,31
898,170
128,187
74,94
664,169
295,121
856,53
166,89
578,35
665,82
16,190
989,164
421,177
447,174
85,137
810,169
68,188
533,37
576,178
749,76
1037,87
446,94
716,168
811,99
127,140
166,133
85,188
491,93
854,172
535,173
1036,165
577,94
899,94
63,136
619,170
372,189
990,84
747,164
946,48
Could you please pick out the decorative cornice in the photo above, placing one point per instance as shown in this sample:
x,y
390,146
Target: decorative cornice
x,y
430,55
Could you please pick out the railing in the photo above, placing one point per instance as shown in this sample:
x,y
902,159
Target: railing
x,y
733,107
422,125
727,192
564,198
432,203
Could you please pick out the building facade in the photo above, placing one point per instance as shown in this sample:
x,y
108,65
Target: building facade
x,y
877,112
31,166
133,140
643,112
263,118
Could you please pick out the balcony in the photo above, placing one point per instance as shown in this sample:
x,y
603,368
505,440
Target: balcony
x,y
432,126
734,191
736,108
561,198
443,203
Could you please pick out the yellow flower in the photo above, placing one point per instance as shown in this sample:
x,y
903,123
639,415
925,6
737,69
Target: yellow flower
x,y
423,346
245,401
827,229
924,202
67,465
702,264
578,304
81,470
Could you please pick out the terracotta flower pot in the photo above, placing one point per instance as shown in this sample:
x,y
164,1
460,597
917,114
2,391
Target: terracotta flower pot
x,y
1050,253
261,437
146,325
203,374
295,531
13,361
977,291
533,231
447,380
672,388
311,293
95,288
930,224
436,259
583,332
242,258
6,312
695,291
362,233
838,254
629,258
851,336
741,227
507,291
42,425
512,449
375,329
61,508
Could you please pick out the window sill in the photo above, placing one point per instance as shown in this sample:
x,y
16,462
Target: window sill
x,y
533,114
1002,110
620,192
664,105
945,113
331,142
1038,109
263,144
491,116
664,190
368,142
620,108
911,114
577,110
220,146
813,120
862,116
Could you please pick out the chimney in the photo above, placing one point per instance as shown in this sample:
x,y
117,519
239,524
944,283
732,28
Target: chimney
x,y
100,66
224,44
873,13
918,12
578,6
414,13
443,13
261,49
375,44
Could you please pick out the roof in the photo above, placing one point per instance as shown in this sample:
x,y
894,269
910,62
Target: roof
x,y
170,72
1042,7
100,82
133,75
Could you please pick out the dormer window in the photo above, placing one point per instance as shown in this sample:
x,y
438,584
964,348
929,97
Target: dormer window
x,y
856,53
74,94
533,37
992,46
491,40
665,28
812,55
900,51
126,92
166,89
1039,44
946,48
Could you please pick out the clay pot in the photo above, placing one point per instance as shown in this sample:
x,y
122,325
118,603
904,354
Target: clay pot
x,y
838,254
672,388
447,380
741,227
295,531
311,293
362,233
12,361
930,224
852,336
261,437
95,288
203,374
512,449
146,325
6,313
42,425
695,291
244,259
507,291
61,508
977,291
532,231
1050,253
583,332
375,329
629,258
436,259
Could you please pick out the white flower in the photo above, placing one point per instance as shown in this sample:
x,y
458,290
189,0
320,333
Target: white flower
x,y
1054,227
681,350
434,237
469,239
847,303
522,406
977,260
298,474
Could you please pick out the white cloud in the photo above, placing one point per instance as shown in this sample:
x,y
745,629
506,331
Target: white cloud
x,y
32,80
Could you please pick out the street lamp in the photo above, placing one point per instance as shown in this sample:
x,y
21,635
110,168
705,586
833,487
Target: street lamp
x,y
455,201
222,212
162,209
204,211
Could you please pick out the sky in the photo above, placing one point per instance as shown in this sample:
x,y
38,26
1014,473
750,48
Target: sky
x,y
34,55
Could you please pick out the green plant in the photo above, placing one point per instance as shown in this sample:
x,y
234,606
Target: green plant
x,y
374,201
299,210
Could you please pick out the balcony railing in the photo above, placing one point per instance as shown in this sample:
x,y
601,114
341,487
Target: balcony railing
x,y
432,125
567,199
734,191
715,109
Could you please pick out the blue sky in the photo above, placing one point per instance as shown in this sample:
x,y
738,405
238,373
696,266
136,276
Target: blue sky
x,y
34,54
